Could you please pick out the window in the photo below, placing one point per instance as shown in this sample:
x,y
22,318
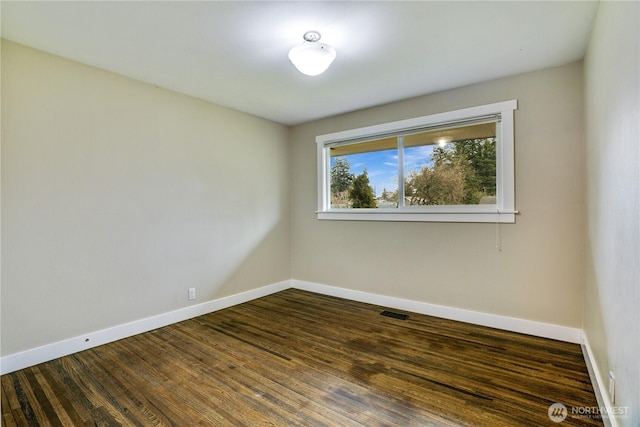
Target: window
x,y
456,166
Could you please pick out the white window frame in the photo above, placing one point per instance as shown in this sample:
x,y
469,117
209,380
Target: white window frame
x,y
502,212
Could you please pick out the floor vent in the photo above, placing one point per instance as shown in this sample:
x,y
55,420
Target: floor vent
x,y
395,315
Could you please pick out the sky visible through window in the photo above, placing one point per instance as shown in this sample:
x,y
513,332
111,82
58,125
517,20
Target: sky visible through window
x,y
382,166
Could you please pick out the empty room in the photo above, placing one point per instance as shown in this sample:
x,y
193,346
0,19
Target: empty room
x,y
320,213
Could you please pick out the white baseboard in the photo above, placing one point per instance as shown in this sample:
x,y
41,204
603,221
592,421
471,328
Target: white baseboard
x,y
34,356
529,327
597,381
17,361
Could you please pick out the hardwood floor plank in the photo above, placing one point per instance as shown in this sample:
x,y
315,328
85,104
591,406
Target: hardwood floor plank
x,y
132,403
60,404
299,358
227,390
38,409
73,374
7,408
292,401
64,376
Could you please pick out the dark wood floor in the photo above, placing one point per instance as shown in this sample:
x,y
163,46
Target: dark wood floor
x,y
298,358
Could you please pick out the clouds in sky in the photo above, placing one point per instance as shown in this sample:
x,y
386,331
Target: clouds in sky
x,y
382,166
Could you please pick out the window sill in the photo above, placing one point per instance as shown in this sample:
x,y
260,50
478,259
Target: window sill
x,y
410,215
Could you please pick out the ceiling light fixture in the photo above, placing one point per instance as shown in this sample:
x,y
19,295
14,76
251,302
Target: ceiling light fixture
x,y
312,57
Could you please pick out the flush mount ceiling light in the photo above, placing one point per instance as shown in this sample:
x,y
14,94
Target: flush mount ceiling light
x,y
312,57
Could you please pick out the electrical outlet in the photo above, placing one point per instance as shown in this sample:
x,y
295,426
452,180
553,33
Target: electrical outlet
x,y
612,387
192,293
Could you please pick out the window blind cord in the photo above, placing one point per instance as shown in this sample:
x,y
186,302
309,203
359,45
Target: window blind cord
x,y
498,232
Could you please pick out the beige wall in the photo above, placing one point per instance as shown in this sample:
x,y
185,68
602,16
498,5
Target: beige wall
x,y
118,196
612,116
538,275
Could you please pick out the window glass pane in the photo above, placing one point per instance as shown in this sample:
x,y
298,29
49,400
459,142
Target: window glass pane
x,y
442,167
364,175
455,166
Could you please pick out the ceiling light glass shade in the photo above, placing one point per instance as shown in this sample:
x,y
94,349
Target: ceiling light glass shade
x,y
312,57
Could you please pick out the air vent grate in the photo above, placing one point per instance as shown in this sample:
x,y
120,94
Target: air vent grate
x,y
395,315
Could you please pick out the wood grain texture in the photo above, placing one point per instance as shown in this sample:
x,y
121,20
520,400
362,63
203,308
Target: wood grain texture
x,y
299,358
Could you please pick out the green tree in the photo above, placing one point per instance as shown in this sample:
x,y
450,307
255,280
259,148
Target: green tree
x,y
442,184
361,193
386,196
476,158
341,177
389,196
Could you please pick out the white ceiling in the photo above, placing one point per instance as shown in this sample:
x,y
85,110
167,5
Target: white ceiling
x,y
234,53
